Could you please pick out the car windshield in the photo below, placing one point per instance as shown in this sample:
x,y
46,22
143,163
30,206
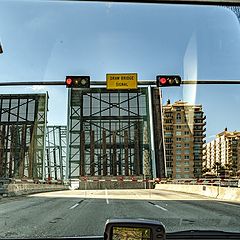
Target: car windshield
x,y
104,137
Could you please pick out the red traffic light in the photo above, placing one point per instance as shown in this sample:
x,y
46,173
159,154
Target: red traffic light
x,y
163,80
77,81
168,80
69,81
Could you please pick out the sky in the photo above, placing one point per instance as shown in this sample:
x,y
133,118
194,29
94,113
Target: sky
x,y
49,40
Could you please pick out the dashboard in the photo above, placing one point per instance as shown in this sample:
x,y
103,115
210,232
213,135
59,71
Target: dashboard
x,y
145,229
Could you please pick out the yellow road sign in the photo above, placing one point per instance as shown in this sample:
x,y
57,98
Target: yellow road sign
x,y
117,81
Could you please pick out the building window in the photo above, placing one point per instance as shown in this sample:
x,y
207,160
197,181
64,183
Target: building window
x,y
178,133
197,151
178,175
198,127
197,146
178,163
186,157
168,146
198,139
178,126
198,115
178,145
169,164
186,163
169,172
186,133
186,175
198,134
178,151
168,152
178,139
198,121
186,169
168,134
178,169
178,157
187,151
186,139
186,145
178,118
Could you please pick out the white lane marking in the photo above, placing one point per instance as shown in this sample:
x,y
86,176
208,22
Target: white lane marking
x,y
164,209
230,204
106,194
72,207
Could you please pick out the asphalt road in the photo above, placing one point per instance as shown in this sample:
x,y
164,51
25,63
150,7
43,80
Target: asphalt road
x,y
80,212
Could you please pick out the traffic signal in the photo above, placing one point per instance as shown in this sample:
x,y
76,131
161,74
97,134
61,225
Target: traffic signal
x,y
168,80
77,81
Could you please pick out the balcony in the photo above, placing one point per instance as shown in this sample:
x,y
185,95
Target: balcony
x,y
199,123
168,129
168,117
199,117
200,141
199,135
199,130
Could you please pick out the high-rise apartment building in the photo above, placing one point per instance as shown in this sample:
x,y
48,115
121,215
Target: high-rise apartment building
x,y
184,127
223,152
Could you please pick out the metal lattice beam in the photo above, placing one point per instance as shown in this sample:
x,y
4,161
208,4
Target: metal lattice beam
x,y
22,133
56,145
98,120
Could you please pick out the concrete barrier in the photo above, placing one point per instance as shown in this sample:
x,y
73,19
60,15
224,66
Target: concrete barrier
x,y
224,193
17,189
111,182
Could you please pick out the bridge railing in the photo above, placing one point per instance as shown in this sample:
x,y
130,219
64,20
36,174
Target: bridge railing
x,y
212,182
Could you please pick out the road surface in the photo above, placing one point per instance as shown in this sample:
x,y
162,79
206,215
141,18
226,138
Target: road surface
x,y
81,212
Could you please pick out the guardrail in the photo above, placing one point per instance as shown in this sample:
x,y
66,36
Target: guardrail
x,y
210,182
33,181
86,179
15,187
133,179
